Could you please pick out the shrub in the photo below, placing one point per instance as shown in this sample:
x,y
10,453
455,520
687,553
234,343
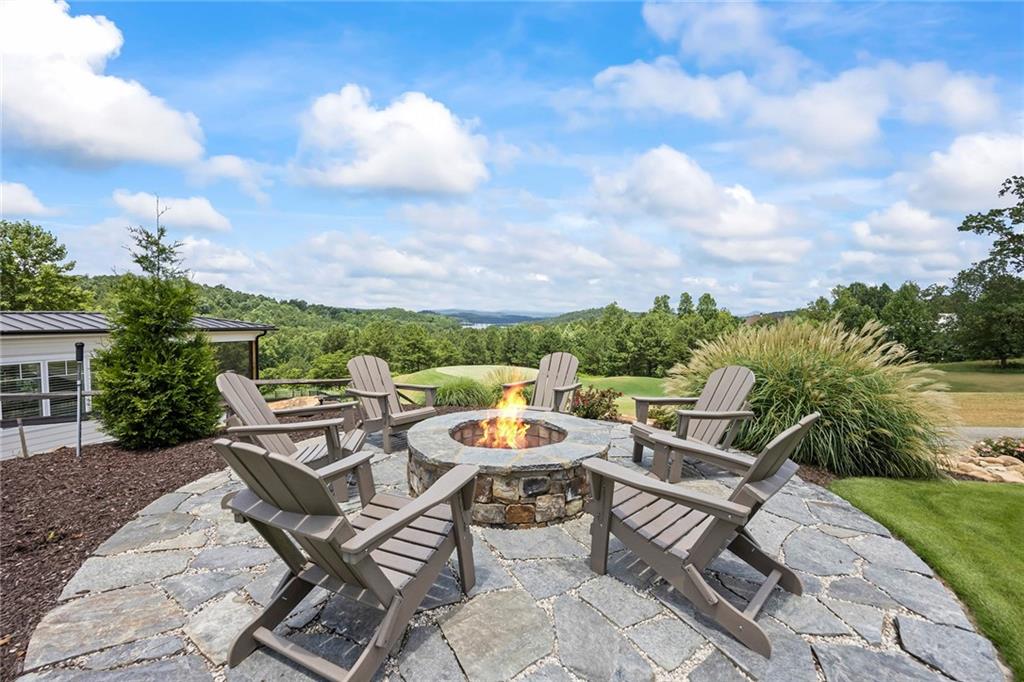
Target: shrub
x,y
997,447
494,379
156,378
663,417
463,392
595,403
880,413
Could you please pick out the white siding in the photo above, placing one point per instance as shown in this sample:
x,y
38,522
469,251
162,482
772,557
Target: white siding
x,y
46,437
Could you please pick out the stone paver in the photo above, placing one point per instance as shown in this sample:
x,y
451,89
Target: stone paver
x,y
426,656
178,582
498,634
618,602
666,641
962,655
590,647
99,621
551,577
99,574
214,627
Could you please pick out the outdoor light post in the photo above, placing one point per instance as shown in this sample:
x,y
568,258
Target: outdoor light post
x,y
79,361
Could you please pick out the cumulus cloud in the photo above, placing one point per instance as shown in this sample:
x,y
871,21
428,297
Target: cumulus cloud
x,y
902,228
414,144
781,250
836,121
192,213
966,177
718,33
669,185
250,175
663,86
17,200
58,98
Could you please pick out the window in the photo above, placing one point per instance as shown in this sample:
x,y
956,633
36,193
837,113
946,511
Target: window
x,y
23,378
233,356
62,375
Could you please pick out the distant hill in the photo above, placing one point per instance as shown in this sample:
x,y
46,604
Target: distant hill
x,y
574,316
488,317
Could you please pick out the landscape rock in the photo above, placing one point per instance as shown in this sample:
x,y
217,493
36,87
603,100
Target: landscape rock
x,y
805,615
264,665
842,663
716,668
235,557
490,575
846,515
426,656
550,542
134,652
814,552
99,574
618,602
198,588
881,551
922,595
551,577
145,530
964,656
860,591
667,641
216,625
865,620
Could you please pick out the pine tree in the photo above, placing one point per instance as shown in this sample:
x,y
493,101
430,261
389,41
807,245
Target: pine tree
x,y
156,378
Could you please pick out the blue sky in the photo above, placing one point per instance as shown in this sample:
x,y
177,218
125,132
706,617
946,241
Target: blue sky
x,y
517,156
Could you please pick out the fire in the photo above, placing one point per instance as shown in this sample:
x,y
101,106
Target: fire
x,y
507,430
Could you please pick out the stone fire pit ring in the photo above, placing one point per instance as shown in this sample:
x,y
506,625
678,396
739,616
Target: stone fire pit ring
x,y
533,486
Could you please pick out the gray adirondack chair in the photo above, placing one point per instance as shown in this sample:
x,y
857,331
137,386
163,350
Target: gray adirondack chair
x,y
678,532
555,383
380,402
253,421
715,418
387,556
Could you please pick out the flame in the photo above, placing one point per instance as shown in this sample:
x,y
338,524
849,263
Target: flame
x,y
507,430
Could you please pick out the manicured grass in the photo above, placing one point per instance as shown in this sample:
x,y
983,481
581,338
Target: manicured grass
x,y
971,534
978,376
629,386
990,409
480,372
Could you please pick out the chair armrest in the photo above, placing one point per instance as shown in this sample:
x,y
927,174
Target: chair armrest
x,y
416,387
566,389
560,393
708,414
731,461
643,403
245,503
380,531
723,509
513,384
267,429
343,466
315,409
367,394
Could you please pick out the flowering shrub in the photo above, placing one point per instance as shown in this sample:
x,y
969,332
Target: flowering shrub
x,y
595,403
997,447
663,417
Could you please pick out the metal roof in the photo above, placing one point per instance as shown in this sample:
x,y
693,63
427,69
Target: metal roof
x,y
73,322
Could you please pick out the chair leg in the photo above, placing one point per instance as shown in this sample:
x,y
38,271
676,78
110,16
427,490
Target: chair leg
x,y
285,600
659,465
638,451
691,584
746,549
386,436
600,527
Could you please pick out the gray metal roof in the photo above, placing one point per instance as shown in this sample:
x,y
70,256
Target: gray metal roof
x,y
72,322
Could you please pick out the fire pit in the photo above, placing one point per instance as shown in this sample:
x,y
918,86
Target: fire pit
x,y
530,463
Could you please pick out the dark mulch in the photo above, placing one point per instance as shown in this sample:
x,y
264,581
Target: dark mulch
x,y
816,475
55,509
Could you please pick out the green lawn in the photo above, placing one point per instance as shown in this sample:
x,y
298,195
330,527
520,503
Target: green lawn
x,y
978,376
629,386
972,534
442,375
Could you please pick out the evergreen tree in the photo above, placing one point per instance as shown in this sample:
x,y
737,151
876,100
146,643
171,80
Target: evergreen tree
x,y
156,378
685,306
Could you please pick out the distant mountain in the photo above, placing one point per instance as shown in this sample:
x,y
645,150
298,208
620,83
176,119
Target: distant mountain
x,y
498,317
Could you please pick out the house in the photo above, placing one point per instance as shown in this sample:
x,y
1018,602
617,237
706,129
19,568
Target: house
x,y
37,355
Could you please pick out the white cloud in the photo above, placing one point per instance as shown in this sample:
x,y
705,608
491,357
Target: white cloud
x,y
668,185
182,213
663,86
728,32
17,200
250,175
967,176
902,228
838,121
781,250
57,97
204,257
413,144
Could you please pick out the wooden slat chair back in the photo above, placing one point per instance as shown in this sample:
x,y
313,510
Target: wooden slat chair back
x,y
380,401
387,557
678,532
370,373
244,399
715,418
556,370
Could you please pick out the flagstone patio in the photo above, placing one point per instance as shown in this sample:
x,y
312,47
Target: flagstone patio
x,y
164,596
